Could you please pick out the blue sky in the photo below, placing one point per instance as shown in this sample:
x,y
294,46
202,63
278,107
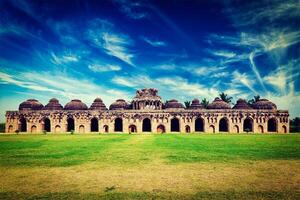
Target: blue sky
x,y
185,49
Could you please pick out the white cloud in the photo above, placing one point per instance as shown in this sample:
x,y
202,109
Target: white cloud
x,y
65,58
243,79
225,54
104,68
154,43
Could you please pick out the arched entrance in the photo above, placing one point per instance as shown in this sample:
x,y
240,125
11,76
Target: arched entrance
x,y
33,129
187,129
272,125
57,129
81,129
94,125
23,125
71,124
223,125
236,129
161,129
47,125
146,125
118,125
105,128
260,129
199,125
211,129
132,128
284,129
175,125
248,125
10,129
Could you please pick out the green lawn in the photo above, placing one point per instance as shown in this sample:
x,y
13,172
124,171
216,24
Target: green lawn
x,y
164,166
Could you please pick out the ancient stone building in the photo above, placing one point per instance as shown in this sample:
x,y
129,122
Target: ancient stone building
x,y
146,113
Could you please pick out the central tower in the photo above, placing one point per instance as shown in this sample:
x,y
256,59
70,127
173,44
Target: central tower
x,y
147,99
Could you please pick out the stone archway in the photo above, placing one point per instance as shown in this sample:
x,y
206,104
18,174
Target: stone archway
x,y
260,129
33,129
118,125
94,125
132,128
284,129
23,125
223,125
146,125
161,129
212,129
105,129
272,125
248,125
71,124
187,129
199,125
175,126
47,125
10,129
57,129
81,129
236,129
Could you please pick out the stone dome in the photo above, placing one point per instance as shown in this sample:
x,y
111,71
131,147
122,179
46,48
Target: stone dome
x,y
218,104
75,104
173,103
98,105
53,105
196,104
264,104
119,104
31,104
241,104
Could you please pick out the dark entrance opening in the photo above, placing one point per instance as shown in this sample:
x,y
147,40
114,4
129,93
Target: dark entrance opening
x,y
199,125
161,129
248,125
174,125
23,125
47,125
272,125
223,125
71,125
118,125
132,129
94,125
146,125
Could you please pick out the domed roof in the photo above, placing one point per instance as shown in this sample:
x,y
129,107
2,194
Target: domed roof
x,y
173,103
98,105
53,105
119,104
75,104
196,104
264,104
241,104
31,104
218,104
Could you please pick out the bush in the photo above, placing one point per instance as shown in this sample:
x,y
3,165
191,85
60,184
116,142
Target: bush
x,y
2,127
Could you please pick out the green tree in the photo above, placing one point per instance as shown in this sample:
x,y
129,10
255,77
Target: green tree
x,y
204,102
295,125
255,99
225,97
187,104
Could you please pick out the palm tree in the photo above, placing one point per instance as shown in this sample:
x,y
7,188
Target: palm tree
x,y
255,99
204,103
187,104
225,97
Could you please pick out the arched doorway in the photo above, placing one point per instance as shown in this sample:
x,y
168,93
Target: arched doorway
x,y
161,128
33,129
146,125
118,125
212,129
47,125
10,129
175,125
199,125
223,125
248,125
71,124
105,128
187,129
23,125
81,129
260,129
272,125
132,128
57,129
94,125
236,129
284,129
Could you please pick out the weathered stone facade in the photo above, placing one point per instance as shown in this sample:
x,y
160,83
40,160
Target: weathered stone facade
x,y
147,114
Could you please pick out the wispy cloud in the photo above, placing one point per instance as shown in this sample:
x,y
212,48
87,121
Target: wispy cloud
x,y
65,58
133,10
154,43
225,54
104,68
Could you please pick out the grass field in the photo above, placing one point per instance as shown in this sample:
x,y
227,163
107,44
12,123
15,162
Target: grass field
x,y
150,166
